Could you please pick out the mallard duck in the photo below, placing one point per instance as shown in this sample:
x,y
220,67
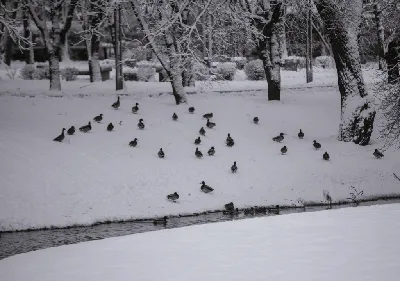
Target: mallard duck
x,y
208,115
116,104
135,108
174,117
205,188
133,143
197,141
255,120
211,151
300,134
86,128
279,138
174,196
162,221
284,150
229,138
325,156
71,130
274,210
234,168
198,153
161,153
140,124
191,109
98,118
230,143
202,131
110,127
378,154
210,124
61,137
230,206
316,145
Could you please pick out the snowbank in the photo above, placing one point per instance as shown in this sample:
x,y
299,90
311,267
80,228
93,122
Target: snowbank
x,y
357,244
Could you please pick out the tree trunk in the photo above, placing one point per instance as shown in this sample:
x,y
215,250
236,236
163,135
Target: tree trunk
x,y
357,113
393,60
54,68
177,87
29,54
381,35
9,43
95,42
64,49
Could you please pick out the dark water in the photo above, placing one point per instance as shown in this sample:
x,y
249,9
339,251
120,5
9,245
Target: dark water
x,y
21,242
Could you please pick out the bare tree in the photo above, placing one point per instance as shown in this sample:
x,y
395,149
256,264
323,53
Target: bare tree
x,y
47,15
342,20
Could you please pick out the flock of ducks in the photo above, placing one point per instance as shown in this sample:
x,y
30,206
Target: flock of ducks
x,y
229,208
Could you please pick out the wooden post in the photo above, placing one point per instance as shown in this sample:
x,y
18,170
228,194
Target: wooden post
x,y
118,49
309,70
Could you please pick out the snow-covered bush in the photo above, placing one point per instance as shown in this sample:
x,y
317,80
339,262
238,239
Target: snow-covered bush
x,y
325,62
27,72
42,73
201,72
145,73
69,73
156,65
108,62
294,63
254,70
239,61
225,70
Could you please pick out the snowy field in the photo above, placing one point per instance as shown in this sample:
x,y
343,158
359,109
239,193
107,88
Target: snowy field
x,y
357,244
97,177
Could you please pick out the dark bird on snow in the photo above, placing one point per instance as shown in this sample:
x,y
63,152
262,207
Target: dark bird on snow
x,y
300,134
229,138
135,108
161,153
98,118
116,104
249,212
202,131
197,141
174,196
325,156
198,153
174,117
208,115
133,143
378,154
86,128
234,168
211,151
284,150
230,206
120,123
316,145
140,124
210,124
162,221
191,109
230,143
110,127
61,137
205,188
255,120
278,138
71,130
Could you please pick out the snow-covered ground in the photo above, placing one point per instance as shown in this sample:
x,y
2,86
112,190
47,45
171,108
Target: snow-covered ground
x,y
357,244
97,176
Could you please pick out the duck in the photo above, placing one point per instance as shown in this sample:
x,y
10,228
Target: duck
x,y
284,150
300,134
161,153
140,124
234,168
191,109
325,156
61,137
230,206
378,154
174,117
162,221
173,197
98,118
198,153
133,143
205,188
249,212
232,212
110,127
86,128
255,120
208,115
71,131
210,124
202,131
197,141
260,210
116,104
211,151
316,144
279,138
230,143
228,138
274,210
135,108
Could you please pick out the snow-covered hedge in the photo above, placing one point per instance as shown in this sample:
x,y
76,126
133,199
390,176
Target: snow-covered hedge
x,y
254,70
294,63
29,72
239,61
325,62
145,73
225,71
201,72
69,73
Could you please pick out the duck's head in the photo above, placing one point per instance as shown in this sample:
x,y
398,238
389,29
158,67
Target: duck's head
x,y
72,127
135,139
234,163
314,141
203,183
160,149
140,120
101,114
301,131
63,129
212,147
229,135
89,123
137,104
281,134
118,98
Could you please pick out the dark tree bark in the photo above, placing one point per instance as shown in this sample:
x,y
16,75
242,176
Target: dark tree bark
x,y
8,44
28,52
380,35
393,60
357,113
